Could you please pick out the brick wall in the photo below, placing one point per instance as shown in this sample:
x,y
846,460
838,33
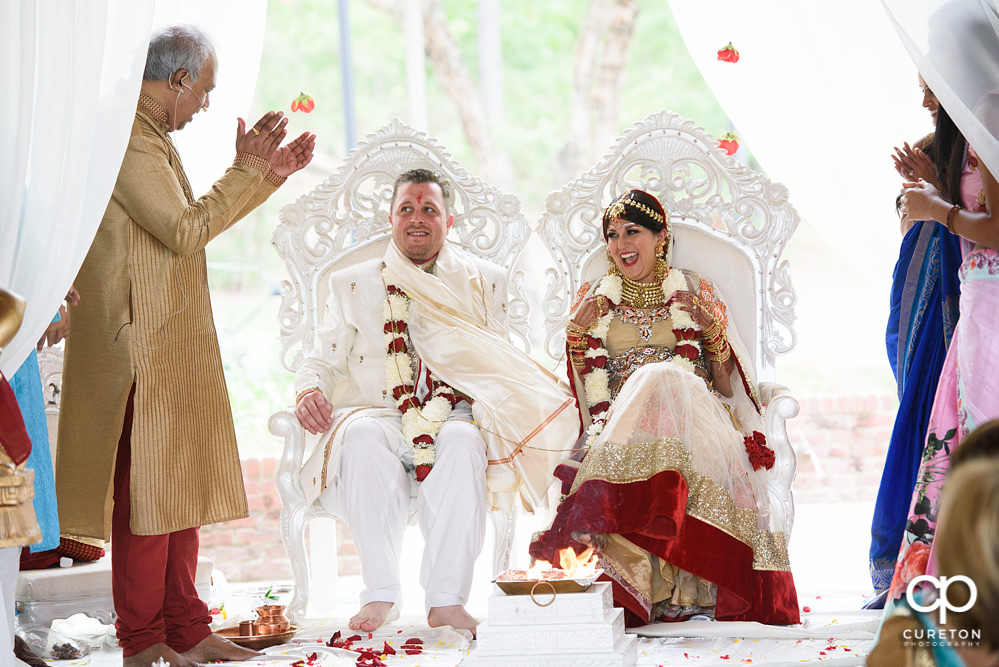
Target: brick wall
x,y
841,443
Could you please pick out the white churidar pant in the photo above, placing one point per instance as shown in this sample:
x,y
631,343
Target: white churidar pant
x,y
373,492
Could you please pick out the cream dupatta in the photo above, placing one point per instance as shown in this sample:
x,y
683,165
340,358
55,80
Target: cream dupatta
x,y
527,417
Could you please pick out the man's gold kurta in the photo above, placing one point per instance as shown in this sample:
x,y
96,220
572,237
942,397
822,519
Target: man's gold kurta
x,y
145,318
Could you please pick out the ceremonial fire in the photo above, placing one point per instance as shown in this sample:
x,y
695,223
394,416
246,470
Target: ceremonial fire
x,y
571,567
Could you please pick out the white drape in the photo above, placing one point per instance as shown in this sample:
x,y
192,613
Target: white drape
x,y
820,95
70,78
955,45
207,144
73,70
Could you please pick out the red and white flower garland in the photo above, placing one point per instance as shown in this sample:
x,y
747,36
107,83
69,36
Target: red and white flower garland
x,y
596,380
421,420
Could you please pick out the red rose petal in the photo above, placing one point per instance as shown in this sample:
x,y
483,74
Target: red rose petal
x,y
806,609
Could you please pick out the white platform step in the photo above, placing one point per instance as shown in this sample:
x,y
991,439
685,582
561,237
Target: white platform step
x,y
551,637
624,654
589,606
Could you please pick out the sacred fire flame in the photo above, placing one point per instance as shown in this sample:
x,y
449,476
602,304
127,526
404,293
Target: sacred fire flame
x,y
573,567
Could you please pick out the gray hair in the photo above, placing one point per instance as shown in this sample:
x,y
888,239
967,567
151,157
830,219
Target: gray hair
x,y
176,47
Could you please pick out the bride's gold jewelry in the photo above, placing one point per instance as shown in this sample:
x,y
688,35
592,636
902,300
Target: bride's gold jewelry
x,y
616,210
661,250
645,295
612,265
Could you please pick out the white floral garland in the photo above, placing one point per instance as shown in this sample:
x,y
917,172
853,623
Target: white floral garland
x,y
420,422
596,381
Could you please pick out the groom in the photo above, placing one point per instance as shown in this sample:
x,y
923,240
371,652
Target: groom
x,y
413,376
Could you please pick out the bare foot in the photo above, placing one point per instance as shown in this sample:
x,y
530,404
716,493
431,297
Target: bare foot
x,y
373,616
214,648
154,653
453,615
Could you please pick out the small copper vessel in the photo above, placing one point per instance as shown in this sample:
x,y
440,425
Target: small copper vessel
x,y
271,620
246,629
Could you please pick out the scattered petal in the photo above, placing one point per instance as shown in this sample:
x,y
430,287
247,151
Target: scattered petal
x,y
728,54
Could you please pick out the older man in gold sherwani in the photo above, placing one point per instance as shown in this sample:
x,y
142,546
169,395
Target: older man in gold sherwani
x,y
147,449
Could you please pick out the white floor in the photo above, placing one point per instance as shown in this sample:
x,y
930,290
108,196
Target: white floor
x,y
828,557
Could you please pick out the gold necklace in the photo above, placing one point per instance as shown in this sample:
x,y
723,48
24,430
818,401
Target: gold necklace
x,y
645,295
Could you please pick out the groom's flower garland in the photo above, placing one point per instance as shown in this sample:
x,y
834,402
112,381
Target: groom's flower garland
x,y
596,380
421,420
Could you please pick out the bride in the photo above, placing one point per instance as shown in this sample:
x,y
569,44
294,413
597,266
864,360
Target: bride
x,y
669,480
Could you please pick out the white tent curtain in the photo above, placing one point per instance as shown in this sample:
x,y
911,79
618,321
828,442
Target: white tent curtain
x,y
73,68
70,78
820,95
955,45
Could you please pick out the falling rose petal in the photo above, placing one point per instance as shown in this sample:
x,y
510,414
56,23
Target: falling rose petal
x,y
728,54
806,609
724,657
304,103
354,638
414,640
388,650
730,144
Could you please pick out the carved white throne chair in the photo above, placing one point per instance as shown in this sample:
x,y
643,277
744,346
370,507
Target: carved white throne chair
x,y
345,221
729,224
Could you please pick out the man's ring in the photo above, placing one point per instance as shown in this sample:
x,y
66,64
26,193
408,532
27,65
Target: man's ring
x,y
255,130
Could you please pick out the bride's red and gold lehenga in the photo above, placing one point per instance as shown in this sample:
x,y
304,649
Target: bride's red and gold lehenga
x,y
672,485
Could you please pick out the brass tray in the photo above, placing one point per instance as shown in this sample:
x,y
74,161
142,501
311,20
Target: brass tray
x,y
546,586
256,642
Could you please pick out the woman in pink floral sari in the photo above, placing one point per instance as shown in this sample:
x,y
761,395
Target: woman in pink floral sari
x,y
968,391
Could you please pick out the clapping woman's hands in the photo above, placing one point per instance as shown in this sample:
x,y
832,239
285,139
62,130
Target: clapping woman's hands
x,y
912,164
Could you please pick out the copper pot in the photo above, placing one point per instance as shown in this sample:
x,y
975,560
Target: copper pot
x,y
271,620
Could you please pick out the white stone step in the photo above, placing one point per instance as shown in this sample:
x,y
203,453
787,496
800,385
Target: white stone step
x,y
551,637
589,606
624,654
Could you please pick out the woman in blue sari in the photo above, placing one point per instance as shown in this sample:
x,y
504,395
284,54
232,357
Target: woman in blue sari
x,y
924,311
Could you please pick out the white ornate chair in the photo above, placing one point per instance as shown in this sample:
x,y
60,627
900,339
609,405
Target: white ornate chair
x,y
729,223
344,221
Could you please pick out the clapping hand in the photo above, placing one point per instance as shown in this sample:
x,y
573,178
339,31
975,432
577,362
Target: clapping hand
x,y
913,164
264,137
293,156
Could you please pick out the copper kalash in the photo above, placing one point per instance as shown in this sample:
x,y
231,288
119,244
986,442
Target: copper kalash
x,y
270,621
